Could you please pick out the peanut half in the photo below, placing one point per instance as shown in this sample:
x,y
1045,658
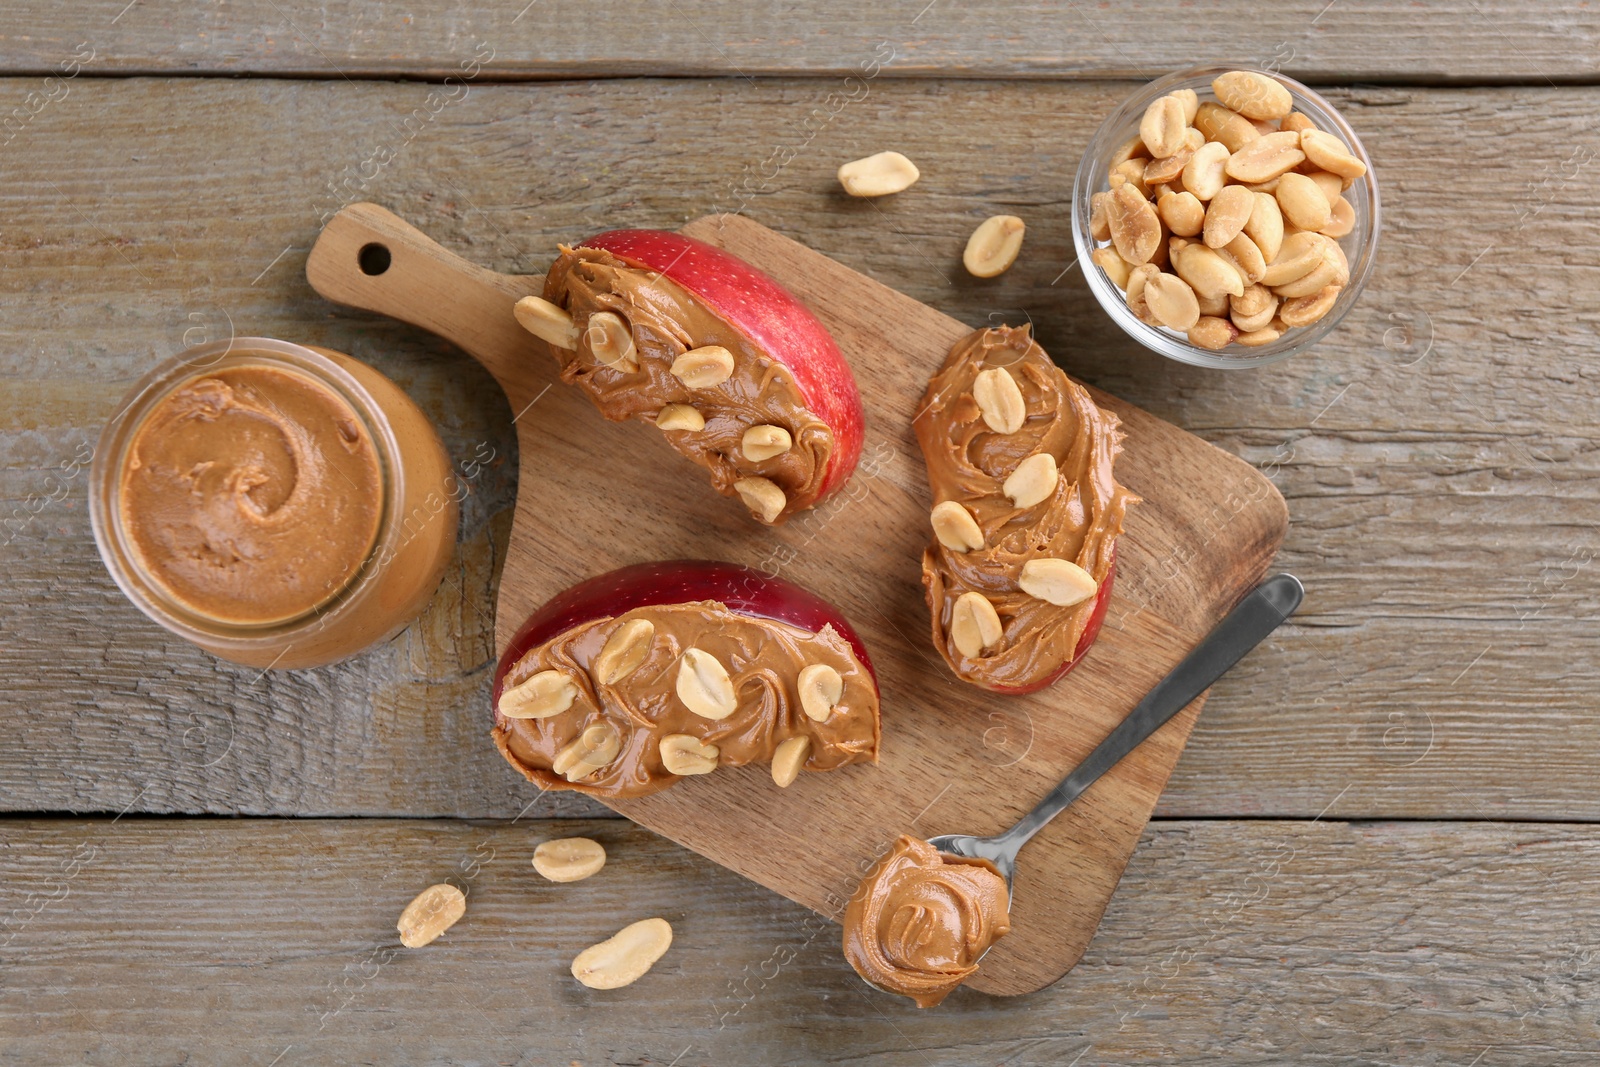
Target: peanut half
x,y
680,417
539,696
1252,94
821,688
683,754
1058,581
1135,228
704,686
548,322
1032,481
788,758
761,443
623,958
624,651
974,625
1172,301
999,400
594,749
993,246
763,496
1163,125
435,910
704,367
955,527
568,859
878,175
611,342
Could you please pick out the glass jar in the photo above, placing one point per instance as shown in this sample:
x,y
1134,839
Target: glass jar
x,y
348,515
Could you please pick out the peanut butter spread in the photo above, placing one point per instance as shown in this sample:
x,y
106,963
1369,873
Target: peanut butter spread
x,y
918,923
624,696
252,495
1067,445
666,321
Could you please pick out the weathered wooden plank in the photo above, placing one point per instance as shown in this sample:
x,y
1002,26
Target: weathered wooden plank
x,y
272,941
1459,40
1439,452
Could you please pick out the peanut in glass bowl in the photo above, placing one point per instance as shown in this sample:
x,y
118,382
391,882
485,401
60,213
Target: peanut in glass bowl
x,y
1360,244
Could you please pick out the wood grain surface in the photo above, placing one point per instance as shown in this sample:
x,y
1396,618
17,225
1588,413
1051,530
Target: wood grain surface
x,y
1472,41
1231,943
593,496
1438,452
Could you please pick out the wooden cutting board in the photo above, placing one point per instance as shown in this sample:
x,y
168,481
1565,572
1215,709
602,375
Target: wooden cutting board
x,y
595,495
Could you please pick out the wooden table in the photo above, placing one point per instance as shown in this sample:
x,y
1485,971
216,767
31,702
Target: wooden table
x,y
1378,847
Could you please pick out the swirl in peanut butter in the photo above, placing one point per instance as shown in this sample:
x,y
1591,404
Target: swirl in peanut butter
x,y
666,321
251,495
625,717
919,922
1059,435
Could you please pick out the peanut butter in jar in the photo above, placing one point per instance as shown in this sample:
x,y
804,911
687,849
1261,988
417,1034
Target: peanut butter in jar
x,y
279,506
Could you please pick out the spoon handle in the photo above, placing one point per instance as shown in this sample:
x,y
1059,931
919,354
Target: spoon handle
x,y
1262,611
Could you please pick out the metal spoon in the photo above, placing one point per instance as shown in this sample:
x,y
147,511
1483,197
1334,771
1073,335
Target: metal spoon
x,y
1247,625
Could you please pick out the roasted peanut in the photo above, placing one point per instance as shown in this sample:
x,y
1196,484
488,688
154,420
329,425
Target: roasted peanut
x,y
1058,581
993,246
955,527
568,859
546,321
820,688
1299,254
594,749
1115,266
538,696
1207,272
1183,213
1172,301
1135,229
1099,223
623,958
762,496
1190,101
974,625
1227,214
1205,173
1330,153
683,755
1265,226
1137,279
1341,219
680,417
1304,310
704,686
1256,338
1302,202
1296,122
761,443
1032,480
788,758
1212,333
1265,158
704,367
1252,94
611,342
1221,126
1246,258
435,910
878,175
999,400
1163,125
624,651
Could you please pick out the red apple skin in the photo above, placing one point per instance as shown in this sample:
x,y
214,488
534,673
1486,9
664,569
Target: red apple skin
x,y
770,316
679,581
1102,599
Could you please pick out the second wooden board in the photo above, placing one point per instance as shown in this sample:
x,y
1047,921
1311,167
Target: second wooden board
x,y
955,759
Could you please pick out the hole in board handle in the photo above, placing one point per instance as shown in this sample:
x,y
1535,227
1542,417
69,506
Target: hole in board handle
x,y
373,259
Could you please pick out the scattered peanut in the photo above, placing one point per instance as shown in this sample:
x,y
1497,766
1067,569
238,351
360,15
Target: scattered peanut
x,y
595,748
974,625
685,755
435,910
999,400
1031,481
787,759
704,686
624,651
821,688
546,321
878,175
702,368
1059,581
1259,185
761,443
993,246
680,417
568,859
611,342
763,496
625,957
538,696
955,527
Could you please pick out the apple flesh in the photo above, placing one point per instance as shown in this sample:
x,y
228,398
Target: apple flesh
x,y
764,311
681,581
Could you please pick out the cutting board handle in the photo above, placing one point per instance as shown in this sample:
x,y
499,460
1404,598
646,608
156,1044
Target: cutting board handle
x,y
370,258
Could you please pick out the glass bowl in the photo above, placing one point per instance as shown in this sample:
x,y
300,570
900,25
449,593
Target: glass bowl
x,y
1360,244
